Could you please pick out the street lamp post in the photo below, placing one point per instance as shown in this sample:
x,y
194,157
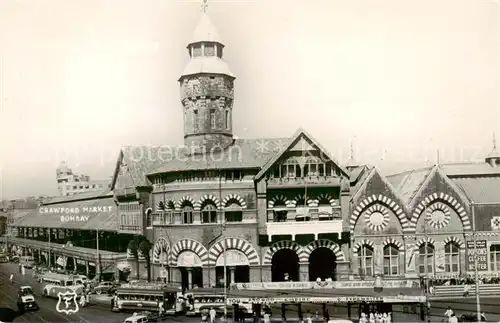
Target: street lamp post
x,y
476,274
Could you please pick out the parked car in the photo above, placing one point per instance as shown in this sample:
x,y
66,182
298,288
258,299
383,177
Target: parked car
x,y
104,288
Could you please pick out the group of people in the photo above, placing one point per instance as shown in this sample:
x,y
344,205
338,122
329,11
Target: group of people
x,y
452,318
375,317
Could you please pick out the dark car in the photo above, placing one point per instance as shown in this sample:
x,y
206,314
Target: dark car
x,y
26,299
104,288
471,318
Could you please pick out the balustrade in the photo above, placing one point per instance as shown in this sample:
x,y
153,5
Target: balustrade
x,y
196,217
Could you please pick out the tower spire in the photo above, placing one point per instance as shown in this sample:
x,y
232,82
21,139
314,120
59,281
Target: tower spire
x,y
352,152
204,6
494,142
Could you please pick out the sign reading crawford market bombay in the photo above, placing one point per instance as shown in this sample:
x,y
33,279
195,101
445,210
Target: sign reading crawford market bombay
x,y
75,210
324,285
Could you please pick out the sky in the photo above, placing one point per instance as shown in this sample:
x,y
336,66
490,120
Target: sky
x,y
399,80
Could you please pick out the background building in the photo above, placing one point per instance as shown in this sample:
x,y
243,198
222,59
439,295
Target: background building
x,y
69,183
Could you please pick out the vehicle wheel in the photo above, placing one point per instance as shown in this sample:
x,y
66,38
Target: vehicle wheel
x,y
98,292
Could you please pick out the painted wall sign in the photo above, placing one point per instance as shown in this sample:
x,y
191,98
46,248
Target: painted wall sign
x,y
233,258
188,259
326,285
481,252
75,210
351,299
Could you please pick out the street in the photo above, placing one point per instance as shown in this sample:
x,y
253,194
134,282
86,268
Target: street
x,y
101,312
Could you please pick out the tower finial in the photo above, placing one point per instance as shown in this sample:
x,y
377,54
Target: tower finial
x,y
352,151
204,6
494,142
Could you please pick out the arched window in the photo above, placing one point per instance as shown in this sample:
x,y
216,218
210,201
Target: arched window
x,y
209,213
452,257
495,257
366,260
280,211
187,212
314,167
227,119
426,258
195,120
391,260
149,218
233,212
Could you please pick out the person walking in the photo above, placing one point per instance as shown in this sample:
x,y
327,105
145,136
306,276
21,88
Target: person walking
x,y
212,315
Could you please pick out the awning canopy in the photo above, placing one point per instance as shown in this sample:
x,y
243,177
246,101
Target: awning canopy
x,y
352,295
99,213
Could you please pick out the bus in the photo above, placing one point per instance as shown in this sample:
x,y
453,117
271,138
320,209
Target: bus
x,y
148,297
53,284
203,299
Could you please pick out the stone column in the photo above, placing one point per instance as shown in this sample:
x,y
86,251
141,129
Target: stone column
x,y
304,272
231,274
75,265
342,270
190,278
87,268
206,277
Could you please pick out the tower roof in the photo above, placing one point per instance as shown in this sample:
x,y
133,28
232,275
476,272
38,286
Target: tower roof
x,y
208,65
205,31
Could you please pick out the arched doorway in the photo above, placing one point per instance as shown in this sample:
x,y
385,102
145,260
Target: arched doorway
x,y
237,268
190,266
285,263
322,264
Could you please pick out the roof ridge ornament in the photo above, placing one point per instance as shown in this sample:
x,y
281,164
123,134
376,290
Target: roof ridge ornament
x,y
204,6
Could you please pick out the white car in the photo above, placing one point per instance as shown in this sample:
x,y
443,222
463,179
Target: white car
x,y
137,319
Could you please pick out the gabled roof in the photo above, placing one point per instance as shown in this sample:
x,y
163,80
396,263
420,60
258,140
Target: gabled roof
x,y
79,197
298,134
469,169
243,153
485,190
373,171
358,176
407,184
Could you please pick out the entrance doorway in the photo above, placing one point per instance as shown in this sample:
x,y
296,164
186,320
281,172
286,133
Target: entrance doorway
x,y
322,264
193,275
285,263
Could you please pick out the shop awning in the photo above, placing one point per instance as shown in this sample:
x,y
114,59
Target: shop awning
x,y
353,295
99,213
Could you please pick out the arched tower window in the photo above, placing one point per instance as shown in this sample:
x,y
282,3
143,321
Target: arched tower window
x,y
426,259
209,213
226,118
195,120
187,212
452,257
366,262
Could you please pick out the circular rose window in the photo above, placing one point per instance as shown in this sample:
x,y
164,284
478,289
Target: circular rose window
x,y
377,217
438,215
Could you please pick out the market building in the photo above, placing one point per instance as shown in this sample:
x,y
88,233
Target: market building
x,y
269,210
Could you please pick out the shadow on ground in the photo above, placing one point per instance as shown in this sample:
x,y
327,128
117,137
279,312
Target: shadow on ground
x,y
7,314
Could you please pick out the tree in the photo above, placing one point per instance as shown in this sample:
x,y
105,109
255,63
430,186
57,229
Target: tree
x,y
133,247
145,249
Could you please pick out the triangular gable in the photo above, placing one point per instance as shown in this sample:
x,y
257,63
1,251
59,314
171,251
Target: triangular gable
x,y
386,189
121,177
301,139
436,171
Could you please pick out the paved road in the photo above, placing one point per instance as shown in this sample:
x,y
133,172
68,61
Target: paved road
x,y
47,312
101,313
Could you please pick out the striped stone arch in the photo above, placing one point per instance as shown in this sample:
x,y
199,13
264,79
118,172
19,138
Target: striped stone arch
x,y
424,240
205,198
182,200
268,257
130,254
324,243
189,245
359,244
277,198
391,241
234,197
393,206
161,246
296,199
169,204
456,240
323,196
448,199
236,244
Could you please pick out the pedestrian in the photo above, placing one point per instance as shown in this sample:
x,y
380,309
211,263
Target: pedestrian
x,y
448,312
327,316
267,317
11,278
308,317
453,318
212,315
204,316
466,290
